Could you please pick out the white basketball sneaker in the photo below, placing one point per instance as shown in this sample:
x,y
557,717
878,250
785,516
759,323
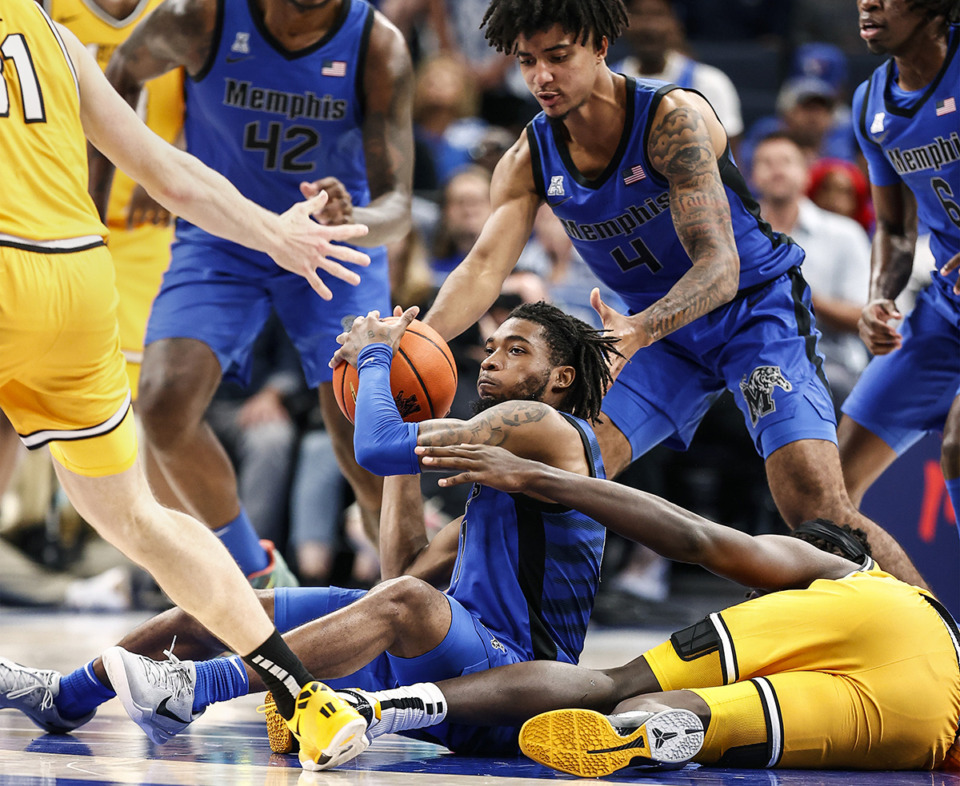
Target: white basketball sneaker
x,y
32,691
157,695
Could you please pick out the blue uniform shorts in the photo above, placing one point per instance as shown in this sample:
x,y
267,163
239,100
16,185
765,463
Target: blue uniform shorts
x,y
221,294
762,347
468,647
902,396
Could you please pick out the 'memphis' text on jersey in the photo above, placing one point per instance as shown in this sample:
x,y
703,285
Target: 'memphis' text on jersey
x,y
931,156
244,95
623,224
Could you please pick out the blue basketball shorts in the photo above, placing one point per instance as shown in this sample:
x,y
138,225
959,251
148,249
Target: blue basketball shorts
x,y
902,396
221,294
468,647
762,347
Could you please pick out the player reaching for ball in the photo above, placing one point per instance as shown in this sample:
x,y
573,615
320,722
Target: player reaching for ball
x,y
521,574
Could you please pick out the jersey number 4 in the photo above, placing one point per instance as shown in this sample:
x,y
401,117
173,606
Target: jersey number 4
x,y
282,148
14,48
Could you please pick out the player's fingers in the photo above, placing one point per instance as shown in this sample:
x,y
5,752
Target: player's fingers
x,y
457,480
952,264
309,189
314,205
408,316
346,254
317,284
597,302
337,270
397,311
345,231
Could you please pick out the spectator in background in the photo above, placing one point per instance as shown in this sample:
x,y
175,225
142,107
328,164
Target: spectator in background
x,y
810,111
656,41
445,106
840,187
464,208
837,264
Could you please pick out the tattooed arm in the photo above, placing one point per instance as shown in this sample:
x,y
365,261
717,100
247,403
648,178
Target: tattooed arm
x,y
387,143
177,33
684,144
384,444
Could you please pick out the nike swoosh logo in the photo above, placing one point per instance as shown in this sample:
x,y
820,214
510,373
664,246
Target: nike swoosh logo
x,y
557,204
166,712
238,59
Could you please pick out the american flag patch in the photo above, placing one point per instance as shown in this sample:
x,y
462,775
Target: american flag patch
x,y
333,68
946,106
633,174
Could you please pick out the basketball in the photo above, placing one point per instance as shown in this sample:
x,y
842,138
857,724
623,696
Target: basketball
x,y
423,377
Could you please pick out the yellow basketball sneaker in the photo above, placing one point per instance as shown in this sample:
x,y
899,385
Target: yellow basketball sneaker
x,y
329,730
591,745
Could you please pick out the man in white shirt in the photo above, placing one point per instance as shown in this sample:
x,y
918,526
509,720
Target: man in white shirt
x,y
837,265
656,40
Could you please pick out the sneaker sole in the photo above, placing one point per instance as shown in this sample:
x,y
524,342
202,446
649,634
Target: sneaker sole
x,y
278,733
113,664
584,743
348,743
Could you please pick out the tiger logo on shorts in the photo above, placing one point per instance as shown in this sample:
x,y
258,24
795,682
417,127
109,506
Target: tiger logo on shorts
x,y
758,388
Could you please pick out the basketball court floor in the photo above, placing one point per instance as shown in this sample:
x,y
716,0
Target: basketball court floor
x,y
228,746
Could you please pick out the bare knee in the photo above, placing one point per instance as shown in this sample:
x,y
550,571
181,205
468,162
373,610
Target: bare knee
x,y
406,602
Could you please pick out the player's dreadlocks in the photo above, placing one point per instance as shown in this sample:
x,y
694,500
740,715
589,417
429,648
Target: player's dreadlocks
x,y
574,343
844,541
949,9
507,20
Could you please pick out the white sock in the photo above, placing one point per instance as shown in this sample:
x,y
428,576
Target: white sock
x,y
408,707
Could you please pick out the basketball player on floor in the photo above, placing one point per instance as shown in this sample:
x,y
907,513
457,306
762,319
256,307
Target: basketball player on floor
x,y
833,663
521,576
280,97
62,378
906,121
640,175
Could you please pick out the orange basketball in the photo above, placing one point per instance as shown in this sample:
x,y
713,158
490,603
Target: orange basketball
x,y
423,377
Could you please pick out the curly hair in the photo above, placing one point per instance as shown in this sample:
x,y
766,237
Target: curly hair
x,y
507,20
844,541
949,9
574,343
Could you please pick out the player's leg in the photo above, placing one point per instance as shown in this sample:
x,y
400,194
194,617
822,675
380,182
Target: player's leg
x,y
902,396
864,457
202,327
950,455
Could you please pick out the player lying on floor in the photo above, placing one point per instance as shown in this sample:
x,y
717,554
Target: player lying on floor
x,y
832,664
522,574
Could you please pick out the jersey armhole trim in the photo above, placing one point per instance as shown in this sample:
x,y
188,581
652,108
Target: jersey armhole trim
x,y
535,162
214,45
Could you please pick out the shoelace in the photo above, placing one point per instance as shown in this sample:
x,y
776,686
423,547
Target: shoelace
x,y
172,672
42,681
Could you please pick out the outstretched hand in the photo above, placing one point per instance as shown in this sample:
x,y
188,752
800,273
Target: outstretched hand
x,y
621,326
880,337
303,245
485,464
372,330
952,264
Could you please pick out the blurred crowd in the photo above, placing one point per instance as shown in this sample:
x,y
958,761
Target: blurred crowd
x,y
779,74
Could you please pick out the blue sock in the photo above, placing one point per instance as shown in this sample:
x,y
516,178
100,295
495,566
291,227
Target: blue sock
x,y
219,679
243,543
81,692
953,490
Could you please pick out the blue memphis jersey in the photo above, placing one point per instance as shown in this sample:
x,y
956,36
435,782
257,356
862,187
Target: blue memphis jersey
x,y
268,119
912,137
530,570
620,221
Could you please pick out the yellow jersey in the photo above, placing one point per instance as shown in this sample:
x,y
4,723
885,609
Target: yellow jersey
x,y
43,152
161,102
